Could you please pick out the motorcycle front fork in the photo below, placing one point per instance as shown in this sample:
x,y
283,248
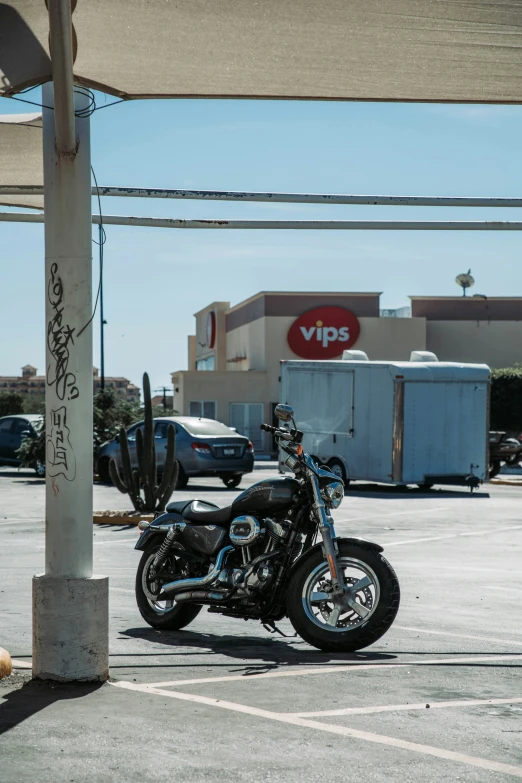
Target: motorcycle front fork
x,y
329,547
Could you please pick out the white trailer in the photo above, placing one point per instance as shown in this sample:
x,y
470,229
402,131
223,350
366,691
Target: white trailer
x,y
417,422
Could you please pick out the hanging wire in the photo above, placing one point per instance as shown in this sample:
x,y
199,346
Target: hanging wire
x,y
100,245
88,111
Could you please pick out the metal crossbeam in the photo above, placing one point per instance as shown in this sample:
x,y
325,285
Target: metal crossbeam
x,y
278,198
312,225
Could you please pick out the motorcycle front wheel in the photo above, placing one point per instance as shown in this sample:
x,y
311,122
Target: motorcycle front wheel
x,y
363,614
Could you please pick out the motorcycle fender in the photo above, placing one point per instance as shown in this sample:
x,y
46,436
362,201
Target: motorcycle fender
x,y
163,519
362,542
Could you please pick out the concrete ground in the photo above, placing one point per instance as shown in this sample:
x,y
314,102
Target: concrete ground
x,y
439,698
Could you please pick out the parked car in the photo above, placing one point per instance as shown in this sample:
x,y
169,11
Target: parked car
x,y
204,447
503,449
13,430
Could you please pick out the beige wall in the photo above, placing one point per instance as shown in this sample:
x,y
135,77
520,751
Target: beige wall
x,y
391,339
223,387
495,343
246,347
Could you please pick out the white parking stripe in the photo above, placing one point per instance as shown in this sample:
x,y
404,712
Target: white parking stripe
x,y
454,535
21,664
424,511
344,731
495,640
333,670
405,707
516,590
121,589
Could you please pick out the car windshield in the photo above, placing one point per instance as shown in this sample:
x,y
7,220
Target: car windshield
x,y
206,427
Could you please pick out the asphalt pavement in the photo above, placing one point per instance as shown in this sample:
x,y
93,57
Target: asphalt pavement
x,y
438,698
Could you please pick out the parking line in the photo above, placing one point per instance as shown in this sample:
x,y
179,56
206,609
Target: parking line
x,y
393,514
333,670
516,590
454,535
344,731
21,664
458,635
405,707
121,589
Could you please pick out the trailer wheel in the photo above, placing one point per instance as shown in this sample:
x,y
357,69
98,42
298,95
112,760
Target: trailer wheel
x,y
338,469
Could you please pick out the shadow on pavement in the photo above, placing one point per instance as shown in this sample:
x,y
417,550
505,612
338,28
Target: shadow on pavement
x,y
34,696
392,492
267,654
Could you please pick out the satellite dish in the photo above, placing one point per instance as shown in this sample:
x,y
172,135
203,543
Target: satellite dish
x,y
465,281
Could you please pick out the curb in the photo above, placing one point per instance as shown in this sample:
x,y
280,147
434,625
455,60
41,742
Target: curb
x,y
6,665
506,483
102,519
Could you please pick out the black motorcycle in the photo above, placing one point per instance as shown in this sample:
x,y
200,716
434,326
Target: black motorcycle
x,y
257,559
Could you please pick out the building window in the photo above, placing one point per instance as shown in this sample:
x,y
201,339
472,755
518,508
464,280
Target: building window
x,y
245,418
206,364
202,409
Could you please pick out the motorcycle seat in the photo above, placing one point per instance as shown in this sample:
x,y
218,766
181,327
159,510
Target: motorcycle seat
x,y
200,512
178,506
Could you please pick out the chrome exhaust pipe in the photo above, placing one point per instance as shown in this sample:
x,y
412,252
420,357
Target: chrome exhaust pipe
x,y
185,585
200,596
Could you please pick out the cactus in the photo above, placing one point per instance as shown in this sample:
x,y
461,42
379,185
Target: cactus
x,y
155,497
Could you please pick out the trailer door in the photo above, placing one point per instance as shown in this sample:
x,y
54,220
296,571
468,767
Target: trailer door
x,y
322,398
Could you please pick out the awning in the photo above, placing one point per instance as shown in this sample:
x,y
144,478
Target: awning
x,y
393,50
21,156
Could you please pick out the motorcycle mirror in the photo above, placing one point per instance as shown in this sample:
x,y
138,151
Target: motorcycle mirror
x,y
284,412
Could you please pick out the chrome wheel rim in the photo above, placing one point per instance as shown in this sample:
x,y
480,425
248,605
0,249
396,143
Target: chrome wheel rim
x,y
346,612
160,607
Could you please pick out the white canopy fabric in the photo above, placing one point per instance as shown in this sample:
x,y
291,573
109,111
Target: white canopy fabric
x,y
392,50
21,160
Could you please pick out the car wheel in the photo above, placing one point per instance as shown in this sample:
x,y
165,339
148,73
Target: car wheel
x,y
103,471
182,480
338,469
39,468
231,482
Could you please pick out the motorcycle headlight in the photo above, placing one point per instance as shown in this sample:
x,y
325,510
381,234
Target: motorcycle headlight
x,y
333,494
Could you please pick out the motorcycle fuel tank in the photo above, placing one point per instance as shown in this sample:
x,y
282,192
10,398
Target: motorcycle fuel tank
x,y
266,497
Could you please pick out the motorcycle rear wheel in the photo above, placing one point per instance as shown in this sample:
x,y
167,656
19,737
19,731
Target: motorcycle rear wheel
x,y
164,615
338,626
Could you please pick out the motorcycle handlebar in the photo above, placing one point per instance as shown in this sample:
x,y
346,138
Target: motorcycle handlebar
x,y
291,435
268,428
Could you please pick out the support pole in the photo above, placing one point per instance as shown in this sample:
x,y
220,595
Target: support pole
x,y
102,319
70,605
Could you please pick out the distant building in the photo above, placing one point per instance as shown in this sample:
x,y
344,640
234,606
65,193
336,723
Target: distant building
x,y
169,401
234,356
31,383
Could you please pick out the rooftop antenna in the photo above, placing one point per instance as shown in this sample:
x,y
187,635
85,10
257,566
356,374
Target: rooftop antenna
x,y
465,281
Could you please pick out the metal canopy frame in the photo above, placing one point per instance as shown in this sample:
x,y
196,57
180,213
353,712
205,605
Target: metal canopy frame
x,y
295,198
307,225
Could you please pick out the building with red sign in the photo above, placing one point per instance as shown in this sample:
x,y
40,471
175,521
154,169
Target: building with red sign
x,y
234,357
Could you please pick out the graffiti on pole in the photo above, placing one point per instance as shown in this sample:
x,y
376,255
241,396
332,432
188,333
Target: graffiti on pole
x,y
60,336
60,457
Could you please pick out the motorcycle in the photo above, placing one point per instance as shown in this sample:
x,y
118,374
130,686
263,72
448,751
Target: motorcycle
x,y
503,449
257,559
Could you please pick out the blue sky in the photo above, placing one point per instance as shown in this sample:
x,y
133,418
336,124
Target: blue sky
x,y
155,279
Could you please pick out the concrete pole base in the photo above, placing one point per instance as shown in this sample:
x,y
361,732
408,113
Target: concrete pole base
x,y
70,628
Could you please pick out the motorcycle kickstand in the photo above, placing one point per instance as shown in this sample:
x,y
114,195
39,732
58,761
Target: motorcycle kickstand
x,y
271,627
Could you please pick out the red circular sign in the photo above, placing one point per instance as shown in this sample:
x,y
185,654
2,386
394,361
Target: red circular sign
x,y
211,329
323,333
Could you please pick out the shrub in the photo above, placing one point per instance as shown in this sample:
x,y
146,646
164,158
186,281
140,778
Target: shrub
x,y
506,399
11,403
